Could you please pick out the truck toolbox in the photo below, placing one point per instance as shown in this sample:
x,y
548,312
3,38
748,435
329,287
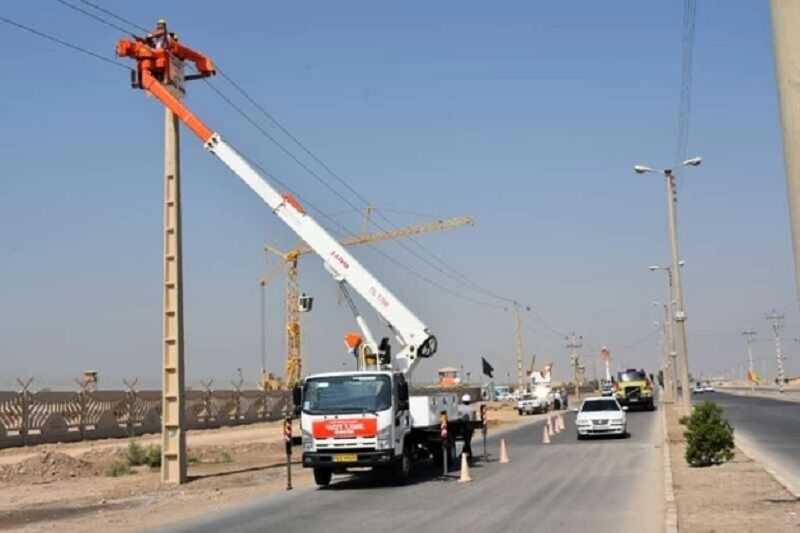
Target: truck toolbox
x,y
427,410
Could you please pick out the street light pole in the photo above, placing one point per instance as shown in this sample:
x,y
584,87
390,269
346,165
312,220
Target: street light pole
x,y
680,312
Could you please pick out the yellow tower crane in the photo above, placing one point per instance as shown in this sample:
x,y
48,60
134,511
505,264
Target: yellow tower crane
x,y
295,303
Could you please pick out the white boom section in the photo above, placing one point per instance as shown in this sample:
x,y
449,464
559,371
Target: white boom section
x,y
410,332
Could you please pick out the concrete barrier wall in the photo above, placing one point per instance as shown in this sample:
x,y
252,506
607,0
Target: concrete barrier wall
x,y
34,418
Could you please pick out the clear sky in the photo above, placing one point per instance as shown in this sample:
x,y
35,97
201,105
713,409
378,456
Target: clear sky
x,y
528,115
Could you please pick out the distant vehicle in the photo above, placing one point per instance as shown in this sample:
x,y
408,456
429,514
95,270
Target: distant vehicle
x,y
607,389
601,416
502,393
698,388
506,397
635,388
708,387
530,404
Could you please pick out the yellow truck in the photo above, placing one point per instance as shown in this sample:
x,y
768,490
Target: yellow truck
x,y
634,388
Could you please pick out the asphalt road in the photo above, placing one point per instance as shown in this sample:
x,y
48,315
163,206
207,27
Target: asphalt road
x,y
766,428
613,485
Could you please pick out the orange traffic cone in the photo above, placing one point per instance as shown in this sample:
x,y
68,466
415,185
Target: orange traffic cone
x,y
549,424
546,435
503,452
561,422
464,469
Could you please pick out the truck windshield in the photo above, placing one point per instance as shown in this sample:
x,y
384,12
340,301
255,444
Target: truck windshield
x,y
347,394
632,375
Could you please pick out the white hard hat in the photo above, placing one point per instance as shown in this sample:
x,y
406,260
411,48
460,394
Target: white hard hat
x,y
466,398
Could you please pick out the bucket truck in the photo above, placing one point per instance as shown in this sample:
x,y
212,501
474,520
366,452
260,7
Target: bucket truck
x,y
361,418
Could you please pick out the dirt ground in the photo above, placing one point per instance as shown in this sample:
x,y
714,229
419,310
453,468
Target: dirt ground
x,y
66,487
738,496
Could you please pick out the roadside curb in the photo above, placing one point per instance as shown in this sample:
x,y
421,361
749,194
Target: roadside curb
x,y
748,449
670,507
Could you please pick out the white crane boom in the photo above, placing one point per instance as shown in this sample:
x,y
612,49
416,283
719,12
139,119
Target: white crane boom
x,y
414,337
154,72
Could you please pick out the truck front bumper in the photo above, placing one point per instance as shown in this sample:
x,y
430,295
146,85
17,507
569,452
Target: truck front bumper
x,y
343,459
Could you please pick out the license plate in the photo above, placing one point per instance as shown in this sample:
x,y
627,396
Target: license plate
x,y
345,458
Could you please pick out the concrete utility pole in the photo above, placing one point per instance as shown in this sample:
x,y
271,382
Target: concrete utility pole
x,y
786,42
669,356
518,332
173,435
574,343
749,335
777,325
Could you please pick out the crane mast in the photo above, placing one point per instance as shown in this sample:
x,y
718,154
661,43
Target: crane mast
x,y
155,67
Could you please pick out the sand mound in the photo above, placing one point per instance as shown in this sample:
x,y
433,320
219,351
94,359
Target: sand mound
x,y
46,466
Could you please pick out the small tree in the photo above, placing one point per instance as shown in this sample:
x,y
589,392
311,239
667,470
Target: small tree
x,y
709,436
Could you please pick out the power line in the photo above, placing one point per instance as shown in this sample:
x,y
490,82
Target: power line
x,y
687,67
92,15
459,277
64,43
114,15
443,269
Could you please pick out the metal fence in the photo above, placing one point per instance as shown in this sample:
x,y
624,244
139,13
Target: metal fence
x,y
38,417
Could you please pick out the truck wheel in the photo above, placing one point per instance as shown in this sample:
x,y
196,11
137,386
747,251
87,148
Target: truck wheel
x,y
322,477
520,412
402,469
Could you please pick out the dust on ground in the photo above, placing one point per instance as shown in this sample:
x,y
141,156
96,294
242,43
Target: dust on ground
x,y
66,487
738,496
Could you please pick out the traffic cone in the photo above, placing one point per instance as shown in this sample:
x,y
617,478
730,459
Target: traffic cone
x,y
464,470
546,435
549,424
561,422
503,452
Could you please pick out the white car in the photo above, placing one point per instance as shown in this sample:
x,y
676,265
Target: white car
x,y
530,404
601,416
708,388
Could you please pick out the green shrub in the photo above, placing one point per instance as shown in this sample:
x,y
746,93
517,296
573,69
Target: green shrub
x,y
153,458
709,436
136,454
119,468
193,459
683,420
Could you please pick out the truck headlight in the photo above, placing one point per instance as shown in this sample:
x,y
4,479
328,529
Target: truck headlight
x,y
384,441
308,441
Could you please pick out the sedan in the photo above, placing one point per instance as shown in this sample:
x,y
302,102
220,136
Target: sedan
x,y
601,416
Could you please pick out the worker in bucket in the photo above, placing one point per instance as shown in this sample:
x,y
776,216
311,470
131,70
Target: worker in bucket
x,y
466,411
158,38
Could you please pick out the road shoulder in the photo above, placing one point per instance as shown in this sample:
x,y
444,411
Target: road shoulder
x,y
737,496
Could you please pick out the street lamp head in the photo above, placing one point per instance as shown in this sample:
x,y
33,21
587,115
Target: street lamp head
x,y
641,169
681,263
653,268
693,162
